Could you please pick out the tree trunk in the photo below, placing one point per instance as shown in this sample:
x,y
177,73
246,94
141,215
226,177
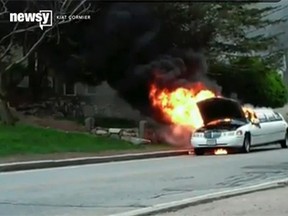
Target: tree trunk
x,y
6,114
33,81
37,72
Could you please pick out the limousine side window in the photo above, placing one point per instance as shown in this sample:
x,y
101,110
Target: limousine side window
x,y
271,117
278,117
262,118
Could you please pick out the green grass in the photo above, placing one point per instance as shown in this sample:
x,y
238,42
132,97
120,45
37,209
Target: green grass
x,y
24,139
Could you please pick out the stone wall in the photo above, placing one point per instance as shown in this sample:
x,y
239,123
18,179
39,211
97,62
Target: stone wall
x,y
106,102
146,132
136,135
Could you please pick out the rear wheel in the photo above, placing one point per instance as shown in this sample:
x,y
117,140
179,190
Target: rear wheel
x,y
284,143
199,151
246,144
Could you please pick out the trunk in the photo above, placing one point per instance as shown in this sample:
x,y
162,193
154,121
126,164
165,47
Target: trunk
x,y
6,114
37,74
33,80
36,90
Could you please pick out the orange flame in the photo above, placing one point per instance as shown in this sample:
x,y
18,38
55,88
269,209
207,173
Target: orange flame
x,y
179,106
221,152
250,114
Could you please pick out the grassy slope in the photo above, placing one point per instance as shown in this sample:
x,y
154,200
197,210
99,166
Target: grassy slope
x,y
23,139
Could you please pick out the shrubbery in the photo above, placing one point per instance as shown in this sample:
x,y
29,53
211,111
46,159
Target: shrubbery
x,y
253,81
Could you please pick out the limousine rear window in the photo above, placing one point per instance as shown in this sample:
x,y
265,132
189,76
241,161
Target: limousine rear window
x,y
277,116
262,118
274,116
268,117
271,118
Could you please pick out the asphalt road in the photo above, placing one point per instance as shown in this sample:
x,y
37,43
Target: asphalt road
x,y
103,189
264,203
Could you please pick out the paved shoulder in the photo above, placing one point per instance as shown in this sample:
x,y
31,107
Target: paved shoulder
x,y
265,203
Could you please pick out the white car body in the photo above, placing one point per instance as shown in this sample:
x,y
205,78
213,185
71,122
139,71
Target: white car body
x,y
229,132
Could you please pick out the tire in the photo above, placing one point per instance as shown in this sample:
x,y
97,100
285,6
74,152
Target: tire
x,y
199,151
284,143
246,144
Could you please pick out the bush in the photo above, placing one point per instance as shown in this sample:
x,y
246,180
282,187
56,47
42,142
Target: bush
x,y
253,81
276,90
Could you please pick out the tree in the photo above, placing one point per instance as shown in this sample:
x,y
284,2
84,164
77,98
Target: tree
x,y
253,80
123,39
234,36
223,32
28,37
120,45
185,25
221,29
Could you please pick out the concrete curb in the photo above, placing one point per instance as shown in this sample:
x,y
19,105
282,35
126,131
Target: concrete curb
x,y
177,205
17,166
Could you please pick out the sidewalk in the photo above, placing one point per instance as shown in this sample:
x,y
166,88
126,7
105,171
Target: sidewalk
x,y
265,203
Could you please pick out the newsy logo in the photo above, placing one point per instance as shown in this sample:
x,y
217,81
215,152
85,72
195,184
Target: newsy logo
x,y
43,17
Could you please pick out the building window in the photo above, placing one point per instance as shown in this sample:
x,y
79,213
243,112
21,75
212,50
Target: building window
x,y
69,89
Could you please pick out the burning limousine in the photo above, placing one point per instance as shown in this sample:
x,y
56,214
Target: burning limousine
x,y
228,125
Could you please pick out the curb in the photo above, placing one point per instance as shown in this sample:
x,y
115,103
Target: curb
x,y
18,166
177,205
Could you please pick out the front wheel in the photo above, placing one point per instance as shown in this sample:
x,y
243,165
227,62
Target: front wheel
x,y
246,144
284,143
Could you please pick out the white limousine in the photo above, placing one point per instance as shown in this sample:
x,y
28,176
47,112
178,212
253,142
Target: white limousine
x,y
227,126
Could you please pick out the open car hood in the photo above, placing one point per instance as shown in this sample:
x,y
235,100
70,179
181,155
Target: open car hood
x,y
220,108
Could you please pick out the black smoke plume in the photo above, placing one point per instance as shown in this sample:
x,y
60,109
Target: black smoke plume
x,y
123,46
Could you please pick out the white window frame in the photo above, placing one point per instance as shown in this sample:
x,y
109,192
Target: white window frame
x,y
64,90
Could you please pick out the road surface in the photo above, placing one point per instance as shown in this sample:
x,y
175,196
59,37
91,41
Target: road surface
x,y
265,203
103,189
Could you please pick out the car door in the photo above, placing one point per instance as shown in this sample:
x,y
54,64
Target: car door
x,y
258,131
280,127
272,128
